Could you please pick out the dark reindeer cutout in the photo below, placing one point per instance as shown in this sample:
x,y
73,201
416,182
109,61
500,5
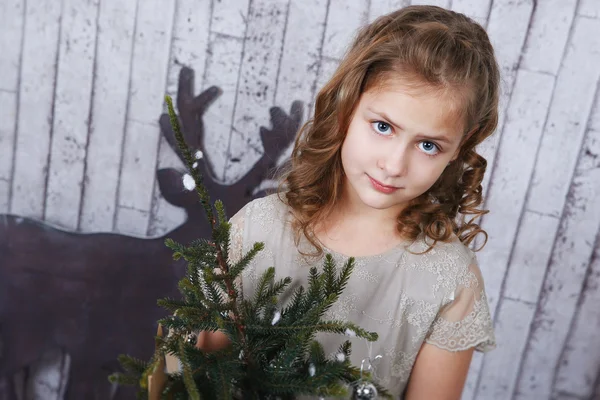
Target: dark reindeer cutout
x,y
94,295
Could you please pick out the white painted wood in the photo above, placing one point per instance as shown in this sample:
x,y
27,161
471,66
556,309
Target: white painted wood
x,y
223,70
594,122
343,22
152,42
190,41
564,131
382,7
8,110
548,35
132,222
297,78
36,96
478,10
116,24
326,71
73,95
256,87
580,363
564,280
230,17
137,175
439,3
51,377
589,8
529,262
525,120
499,375
508,45
11,35
4,195
189,47
327,68
473,376
560,293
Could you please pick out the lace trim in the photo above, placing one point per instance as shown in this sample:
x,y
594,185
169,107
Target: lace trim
x,y
475,330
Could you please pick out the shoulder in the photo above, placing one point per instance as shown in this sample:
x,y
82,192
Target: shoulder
x,y
451,264
264,212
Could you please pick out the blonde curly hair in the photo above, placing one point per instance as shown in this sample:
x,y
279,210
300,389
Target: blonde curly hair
x,y
436,48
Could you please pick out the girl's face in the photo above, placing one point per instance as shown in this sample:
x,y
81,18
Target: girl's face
x,y
399,137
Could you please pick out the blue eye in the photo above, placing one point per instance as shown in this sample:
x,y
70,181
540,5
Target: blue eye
x,y
381,127
429,148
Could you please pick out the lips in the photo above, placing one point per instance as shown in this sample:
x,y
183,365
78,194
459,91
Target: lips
x,y
380,187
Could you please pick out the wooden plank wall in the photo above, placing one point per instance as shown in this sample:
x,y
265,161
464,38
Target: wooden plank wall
x,y
81,87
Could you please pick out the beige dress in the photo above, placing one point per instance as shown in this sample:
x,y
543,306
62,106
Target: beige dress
x,y
437,297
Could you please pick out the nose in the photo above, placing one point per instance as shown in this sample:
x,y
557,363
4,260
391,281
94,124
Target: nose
x,y
394,161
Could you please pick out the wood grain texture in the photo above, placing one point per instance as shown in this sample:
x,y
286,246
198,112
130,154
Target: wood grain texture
x,y
498,375
230,17
378,8
343,22
508,45
11,36
571,104
548,34
256,86
565,276
152,44
222,70
478,10
8,109
439,3
35,108
189,47
526,116
116,24
580,361
589,8
298,71
72,99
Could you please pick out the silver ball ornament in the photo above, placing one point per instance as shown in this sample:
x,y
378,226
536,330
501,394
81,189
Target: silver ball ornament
x,y
191,339
364,391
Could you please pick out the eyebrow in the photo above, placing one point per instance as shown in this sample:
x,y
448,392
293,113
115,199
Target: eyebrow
x,y
420,135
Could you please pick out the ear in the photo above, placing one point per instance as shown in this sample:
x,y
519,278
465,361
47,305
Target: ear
x,y
171,187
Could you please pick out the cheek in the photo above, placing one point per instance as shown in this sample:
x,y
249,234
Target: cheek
x,y
427,175
356,147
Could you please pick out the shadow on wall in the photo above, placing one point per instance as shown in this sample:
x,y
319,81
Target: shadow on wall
x,y
94,295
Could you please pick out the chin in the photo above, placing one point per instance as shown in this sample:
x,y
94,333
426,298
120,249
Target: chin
x,y
377,200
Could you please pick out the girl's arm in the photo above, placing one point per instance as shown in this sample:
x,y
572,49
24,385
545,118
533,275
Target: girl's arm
x,y
438,374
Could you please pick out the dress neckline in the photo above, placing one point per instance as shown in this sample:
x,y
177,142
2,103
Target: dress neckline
x,y
398,247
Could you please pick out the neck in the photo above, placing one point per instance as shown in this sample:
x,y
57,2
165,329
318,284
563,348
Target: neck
x,y
351,213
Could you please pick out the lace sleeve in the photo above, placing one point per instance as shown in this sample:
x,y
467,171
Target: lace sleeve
x,y
465,322
236,236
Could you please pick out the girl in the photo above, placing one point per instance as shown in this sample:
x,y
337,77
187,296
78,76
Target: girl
x,y
386,172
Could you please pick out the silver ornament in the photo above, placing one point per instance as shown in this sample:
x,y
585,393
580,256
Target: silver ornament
x,y
191,339
364,391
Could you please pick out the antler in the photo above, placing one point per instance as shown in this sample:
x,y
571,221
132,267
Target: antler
x,y
191,109
275,141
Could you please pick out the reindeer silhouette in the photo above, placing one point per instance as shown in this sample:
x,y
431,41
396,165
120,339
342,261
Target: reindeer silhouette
x,y
94,295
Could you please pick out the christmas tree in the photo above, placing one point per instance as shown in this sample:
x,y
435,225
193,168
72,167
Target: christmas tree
x,y
273,353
